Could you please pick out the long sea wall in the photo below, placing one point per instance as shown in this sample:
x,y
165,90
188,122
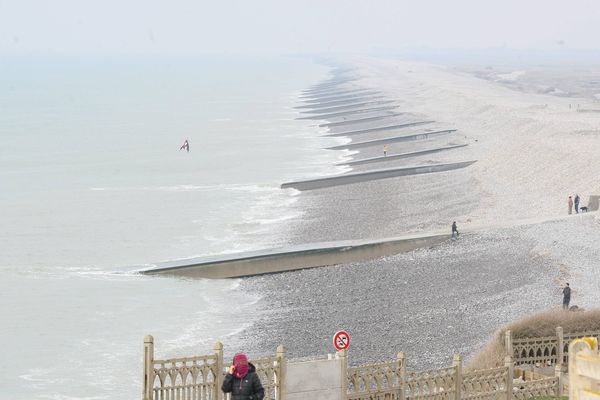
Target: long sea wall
x,y
293,258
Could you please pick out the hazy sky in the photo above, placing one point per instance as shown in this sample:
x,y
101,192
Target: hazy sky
x,y
286,26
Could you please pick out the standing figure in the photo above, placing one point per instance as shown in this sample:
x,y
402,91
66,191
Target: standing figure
x,y
577,203
185,146
242,381
570,203
454,229
566,296
385,150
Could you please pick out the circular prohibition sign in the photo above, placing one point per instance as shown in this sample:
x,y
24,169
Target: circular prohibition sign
x,y
341,340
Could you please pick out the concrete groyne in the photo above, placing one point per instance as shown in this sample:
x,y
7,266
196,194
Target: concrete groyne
x,y
400,156
335,92
360,94
395,139
343,102
341,114
329,110
293,258
381,128
360,120
348,179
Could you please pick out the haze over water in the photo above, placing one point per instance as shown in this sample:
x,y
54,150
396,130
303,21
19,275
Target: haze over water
x,y
94,184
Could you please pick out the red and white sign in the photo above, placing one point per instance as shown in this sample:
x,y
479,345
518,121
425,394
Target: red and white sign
x,y
341,340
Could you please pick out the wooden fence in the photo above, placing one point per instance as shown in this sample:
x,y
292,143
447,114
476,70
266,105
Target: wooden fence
x,y
201,377
391,381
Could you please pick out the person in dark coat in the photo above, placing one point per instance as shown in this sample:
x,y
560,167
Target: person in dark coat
x,y
577,203
566,296
454,229
242,381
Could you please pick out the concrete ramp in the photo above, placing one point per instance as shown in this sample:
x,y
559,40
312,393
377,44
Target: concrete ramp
x,y
348,179
293,258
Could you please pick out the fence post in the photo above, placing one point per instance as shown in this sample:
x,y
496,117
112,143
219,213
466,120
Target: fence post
x,y
510,370
401,376
561,346
457,363
508,343
281,377
343,356
148,367
560,381
218,370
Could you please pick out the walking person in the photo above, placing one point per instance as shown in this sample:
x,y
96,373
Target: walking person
x,y
242,381
577,203
566,296
385,150
454,230
570,203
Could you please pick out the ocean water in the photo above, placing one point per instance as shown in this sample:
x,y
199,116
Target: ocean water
x,y
94,186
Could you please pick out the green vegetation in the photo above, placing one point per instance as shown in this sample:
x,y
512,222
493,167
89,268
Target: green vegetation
x,y
549,398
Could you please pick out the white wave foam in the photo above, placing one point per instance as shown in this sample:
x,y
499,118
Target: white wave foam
x,y
224,186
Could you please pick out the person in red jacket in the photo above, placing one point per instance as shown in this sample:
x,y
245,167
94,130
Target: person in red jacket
x,y
242,381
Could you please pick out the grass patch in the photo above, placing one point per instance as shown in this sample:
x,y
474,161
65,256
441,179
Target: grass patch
x,y
549,398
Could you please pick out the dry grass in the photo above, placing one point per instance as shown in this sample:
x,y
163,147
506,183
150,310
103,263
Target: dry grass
x,y
539,325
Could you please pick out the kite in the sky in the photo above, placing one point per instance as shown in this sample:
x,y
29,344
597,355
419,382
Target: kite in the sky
x,y
185,146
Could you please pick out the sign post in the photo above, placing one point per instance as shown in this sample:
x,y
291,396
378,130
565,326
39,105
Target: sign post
x,y
341,340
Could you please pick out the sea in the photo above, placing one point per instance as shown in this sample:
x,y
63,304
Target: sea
x,y
95,187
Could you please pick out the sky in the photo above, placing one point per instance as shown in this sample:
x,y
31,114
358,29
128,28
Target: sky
x,y
294,26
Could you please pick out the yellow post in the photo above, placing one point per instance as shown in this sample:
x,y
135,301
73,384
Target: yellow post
x,y
148,367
